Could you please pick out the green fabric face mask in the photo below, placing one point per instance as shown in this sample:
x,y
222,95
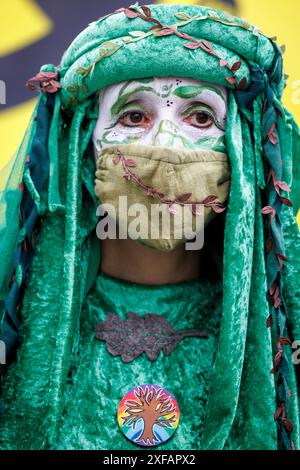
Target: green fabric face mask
x,y
175,193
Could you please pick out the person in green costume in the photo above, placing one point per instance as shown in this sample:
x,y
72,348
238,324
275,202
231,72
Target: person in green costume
x,y
234,303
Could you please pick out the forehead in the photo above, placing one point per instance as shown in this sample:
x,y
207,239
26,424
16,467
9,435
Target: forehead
x,y
161,87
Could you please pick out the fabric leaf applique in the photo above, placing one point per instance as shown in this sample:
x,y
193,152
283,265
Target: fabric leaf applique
x,y
150,333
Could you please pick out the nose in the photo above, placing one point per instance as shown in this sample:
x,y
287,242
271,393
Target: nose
x,y
167,134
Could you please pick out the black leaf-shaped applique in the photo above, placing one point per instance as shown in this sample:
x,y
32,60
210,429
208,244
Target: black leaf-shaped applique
x,y
150,333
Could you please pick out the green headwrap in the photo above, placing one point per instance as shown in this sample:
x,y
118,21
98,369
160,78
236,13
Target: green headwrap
x,y
48,206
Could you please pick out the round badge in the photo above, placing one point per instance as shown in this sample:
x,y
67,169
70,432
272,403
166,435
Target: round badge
x,y
148,415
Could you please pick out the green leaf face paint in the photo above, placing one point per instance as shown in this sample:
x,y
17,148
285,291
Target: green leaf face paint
x,y
163,111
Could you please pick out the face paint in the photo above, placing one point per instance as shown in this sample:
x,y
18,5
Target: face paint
x,y
169,112
171,131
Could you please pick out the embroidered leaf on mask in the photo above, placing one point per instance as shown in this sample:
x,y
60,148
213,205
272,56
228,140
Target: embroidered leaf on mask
x,y
218,209
130,163
209,199
137,334
183,197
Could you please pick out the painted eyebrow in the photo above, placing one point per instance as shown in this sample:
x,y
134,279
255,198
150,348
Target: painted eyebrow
x,y
200,105
192,91
123,98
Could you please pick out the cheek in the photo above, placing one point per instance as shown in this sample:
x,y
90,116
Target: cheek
x,y
194,134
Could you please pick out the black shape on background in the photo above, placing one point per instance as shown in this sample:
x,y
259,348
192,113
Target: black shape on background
x,y
69,18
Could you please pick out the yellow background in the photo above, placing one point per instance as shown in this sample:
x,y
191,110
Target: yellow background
x,y
23,22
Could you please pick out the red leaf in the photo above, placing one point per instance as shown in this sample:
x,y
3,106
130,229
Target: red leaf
x,y
236,66
207,44
231,80
287,424
154,27
279,111
280,256
147,11
127,177
131,13
165,32
278,412
116,160
223,63
277,358
218,209
273,288
242,84
272,136
130,163
208,199
183,197
267,210
284,340
286,201
192,45
282,185
21,186
151,192
269,321
276,302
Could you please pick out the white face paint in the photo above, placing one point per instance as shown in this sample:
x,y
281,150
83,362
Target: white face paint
x,y
169,111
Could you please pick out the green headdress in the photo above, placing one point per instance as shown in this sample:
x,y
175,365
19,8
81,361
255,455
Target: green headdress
x,y
48,218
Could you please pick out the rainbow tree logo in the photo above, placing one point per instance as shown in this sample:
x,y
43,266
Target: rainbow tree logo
x,y
148,415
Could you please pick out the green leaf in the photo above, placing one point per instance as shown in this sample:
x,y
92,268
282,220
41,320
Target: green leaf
x,y
72,88
182,16
123,98
109,45
283,48
137,34
82,71
127,39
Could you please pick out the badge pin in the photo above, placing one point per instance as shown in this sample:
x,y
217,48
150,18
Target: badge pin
x,y
148,415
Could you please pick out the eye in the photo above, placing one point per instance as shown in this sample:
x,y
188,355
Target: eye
x,y
200,119
134,119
